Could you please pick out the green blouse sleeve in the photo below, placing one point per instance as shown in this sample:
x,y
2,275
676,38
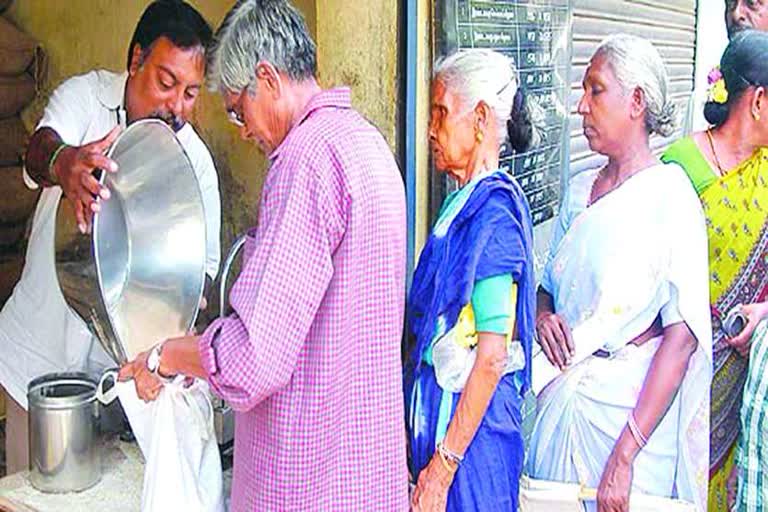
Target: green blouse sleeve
x,y
686,154
492,304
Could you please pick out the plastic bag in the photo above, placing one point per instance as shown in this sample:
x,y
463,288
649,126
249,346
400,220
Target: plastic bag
x,y
176,436
453,363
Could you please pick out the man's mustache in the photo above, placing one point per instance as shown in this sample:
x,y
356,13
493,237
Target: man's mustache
x,y
736,28
175,122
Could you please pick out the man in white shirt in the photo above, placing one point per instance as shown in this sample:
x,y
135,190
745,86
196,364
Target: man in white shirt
x,y
39,334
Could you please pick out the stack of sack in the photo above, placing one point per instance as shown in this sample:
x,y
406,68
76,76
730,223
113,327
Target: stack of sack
x,y
21,67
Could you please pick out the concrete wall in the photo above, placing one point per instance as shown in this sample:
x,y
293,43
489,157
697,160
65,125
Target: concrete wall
x,y
423,98
357,46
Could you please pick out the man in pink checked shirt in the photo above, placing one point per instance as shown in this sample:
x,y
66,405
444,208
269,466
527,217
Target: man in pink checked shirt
x,y
310,358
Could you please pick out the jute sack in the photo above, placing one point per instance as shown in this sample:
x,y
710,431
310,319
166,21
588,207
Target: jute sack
x,y
17,49
15,93
13,138
11,234
18,200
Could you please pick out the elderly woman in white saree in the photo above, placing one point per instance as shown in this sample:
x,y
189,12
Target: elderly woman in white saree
x,y
623,306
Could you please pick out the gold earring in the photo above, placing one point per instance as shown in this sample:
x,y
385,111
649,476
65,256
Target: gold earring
x,y
479,137
756,115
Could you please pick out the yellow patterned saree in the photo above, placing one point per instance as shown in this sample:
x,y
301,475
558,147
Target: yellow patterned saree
x,y
736,210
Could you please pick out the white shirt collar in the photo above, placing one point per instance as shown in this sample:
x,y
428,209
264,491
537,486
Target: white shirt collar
x,y
112,89
111,94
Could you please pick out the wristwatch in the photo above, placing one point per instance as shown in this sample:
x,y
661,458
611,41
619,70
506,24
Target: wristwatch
x,y
153,361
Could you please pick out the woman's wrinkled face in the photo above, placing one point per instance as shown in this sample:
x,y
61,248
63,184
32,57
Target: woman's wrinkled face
x,y
451,129
605,108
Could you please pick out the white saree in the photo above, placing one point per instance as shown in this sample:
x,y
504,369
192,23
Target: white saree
x,y
637,253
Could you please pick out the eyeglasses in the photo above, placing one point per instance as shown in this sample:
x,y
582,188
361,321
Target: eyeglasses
x,y
234,113
235,118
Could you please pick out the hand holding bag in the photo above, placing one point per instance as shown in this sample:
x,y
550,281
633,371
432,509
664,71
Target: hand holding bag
x,y
548,496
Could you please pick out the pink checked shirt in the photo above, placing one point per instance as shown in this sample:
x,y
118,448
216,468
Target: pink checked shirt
x,y
310,360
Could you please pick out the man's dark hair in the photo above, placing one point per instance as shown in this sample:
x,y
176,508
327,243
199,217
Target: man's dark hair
x,y
174,19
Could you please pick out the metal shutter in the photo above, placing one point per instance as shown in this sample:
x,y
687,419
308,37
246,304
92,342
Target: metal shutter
x,y
669,24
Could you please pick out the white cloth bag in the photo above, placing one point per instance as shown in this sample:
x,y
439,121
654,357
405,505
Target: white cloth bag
x,y
176,436
548,496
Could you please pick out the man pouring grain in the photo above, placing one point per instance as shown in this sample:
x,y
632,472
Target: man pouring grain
x,y
39,334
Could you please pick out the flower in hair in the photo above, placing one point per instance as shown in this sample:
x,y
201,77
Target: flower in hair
x,y
717,91
714,75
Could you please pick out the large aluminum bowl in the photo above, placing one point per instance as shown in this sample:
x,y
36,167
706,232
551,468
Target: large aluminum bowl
x,y
139,277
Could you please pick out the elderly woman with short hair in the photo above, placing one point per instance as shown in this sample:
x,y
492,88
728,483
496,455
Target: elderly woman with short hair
x,y
472,300
622,309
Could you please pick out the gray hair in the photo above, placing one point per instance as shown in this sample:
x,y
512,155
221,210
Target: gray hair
x,y
261,30
485,75
481,75
637,64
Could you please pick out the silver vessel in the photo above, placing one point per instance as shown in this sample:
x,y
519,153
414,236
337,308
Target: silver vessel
x,y
138,279
64,445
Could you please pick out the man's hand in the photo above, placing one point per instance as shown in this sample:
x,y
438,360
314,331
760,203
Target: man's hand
x,y
148,385
73,170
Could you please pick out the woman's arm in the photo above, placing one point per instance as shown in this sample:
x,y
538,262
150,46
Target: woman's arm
x,y
553,334
545,304
494,303
435,479
662,382
481,384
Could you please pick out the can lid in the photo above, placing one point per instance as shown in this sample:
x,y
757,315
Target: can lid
x,y
61,390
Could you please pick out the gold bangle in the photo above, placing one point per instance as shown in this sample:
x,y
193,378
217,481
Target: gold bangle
x,y
445,463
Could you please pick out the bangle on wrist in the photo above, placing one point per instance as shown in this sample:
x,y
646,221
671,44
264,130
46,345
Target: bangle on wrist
x,y
447,465
449,455
637,434
154,361
163,376
51,175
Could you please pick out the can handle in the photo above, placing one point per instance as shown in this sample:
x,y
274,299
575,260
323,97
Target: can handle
x,y
107,397
225,271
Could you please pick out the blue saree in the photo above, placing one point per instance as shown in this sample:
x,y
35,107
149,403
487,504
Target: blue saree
x,y
490,234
